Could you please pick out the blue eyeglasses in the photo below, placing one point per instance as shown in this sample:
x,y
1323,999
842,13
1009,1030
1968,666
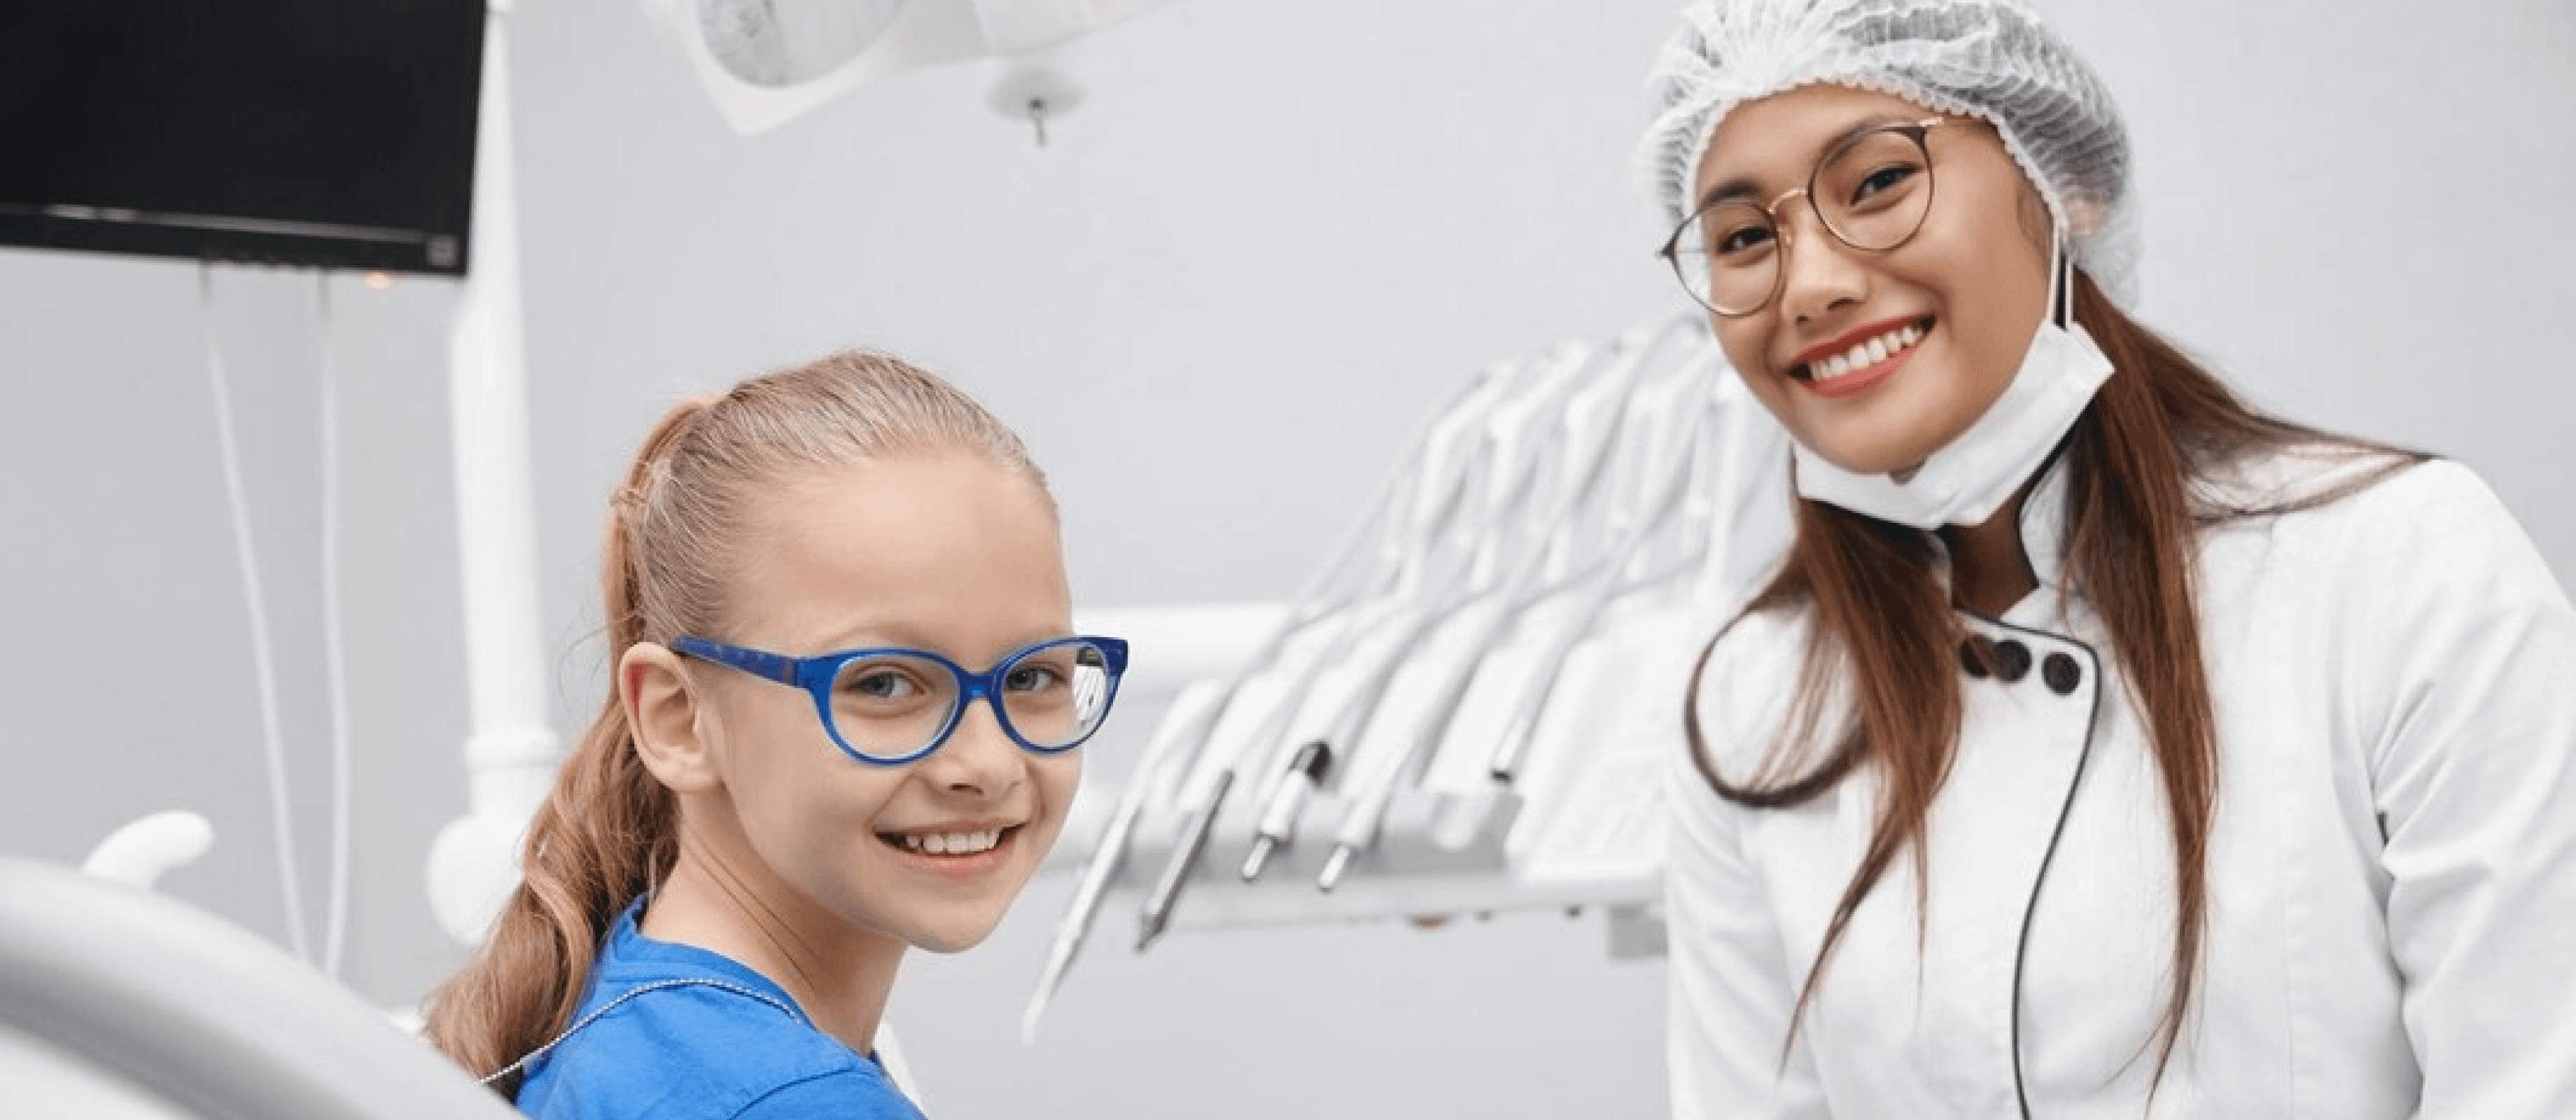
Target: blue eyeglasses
x,y
891,706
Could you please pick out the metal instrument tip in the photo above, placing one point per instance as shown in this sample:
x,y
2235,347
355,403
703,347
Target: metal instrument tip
x,y
1029,1018
1059,962
1334,865
1260,857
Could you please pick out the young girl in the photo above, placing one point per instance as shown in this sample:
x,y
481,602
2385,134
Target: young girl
x,y
843,724
2102,747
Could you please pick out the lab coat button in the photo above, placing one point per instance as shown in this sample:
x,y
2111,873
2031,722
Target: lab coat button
x,y
2012,660
2061,673
1974,652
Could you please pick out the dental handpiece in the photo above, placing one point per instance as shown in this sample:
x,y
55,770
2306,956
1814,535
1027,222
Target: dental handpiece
x,y
1361,823
1076,925
1671,482
1522,728
1359,827
1109,853
1316,601
1279,817
1165,896
1194,838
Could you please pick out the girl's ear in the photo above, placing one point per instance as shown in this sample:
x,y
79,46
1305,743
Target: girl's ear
x,y
669,721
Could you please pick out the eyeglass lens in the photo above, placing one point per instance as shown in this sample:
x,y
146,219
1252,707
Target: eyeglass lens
x,y
891,706
1871,193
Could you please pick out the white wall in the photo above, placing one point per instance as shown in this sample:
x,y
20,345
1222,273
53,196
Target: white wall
x,y
1212,304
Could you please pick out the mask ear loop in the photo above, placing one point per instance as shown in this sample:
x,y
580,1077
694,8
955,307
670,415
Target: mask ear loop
x,y
2061,280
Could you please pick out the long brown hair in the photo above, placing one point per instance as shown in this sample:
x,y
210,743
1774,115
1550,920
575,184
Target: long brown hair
x,y
608,831
2140,466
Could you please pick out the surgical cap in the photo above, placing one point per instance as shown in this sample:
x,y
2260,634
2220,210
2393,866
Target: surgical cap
x,y
1987,58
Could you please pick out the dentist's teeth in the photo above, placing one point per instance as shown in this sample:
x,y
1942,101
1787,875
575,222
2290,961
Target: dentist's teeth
x,y
1866,354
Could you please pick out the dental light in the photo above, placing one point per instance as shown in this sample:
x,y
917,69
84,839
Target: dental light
x,y
764,62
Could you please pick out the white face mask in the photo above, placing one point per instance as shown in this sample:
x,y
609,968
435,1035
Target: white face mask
x,y
1965,482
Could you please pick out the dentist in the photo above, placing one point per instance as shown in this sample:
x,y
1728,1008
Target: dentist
x,y
2103,747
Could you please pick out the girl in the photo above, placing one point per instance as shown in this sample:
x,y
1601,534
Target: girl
x,y
2102,747
843,722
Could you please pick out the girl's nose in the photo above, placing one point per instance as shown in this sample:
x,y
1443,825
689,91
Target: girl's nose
x,y
979,758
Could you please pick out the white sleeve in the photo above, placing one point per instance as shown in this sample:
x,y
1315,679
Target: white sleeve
x,y
1731,986
2470,690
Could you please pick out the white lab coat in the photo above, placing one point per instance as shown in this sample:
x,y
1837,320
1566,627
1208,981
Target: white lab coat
x,y
2392,880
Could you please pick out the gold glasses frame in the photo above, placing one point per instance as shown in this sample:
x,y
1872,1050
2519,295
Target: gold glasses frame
x,y
1685,261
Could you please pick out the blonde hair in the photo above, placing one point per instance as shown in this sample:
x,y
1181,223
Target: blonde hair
x,y
608,831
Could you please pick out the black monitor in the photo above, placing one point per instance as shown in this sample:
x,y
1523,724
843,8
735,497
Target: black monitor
x,y
324,133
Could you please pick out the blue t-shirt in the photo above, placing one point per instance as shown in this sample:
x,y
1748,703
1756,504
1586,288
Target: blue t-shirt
x,y
691,1035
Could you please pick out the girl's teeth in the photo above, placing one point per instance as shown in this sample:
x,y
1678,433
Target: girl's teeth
x,y
952,844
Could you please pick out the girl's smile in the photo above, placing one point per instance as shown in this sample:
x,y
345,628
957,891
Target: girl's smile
x,y
956,851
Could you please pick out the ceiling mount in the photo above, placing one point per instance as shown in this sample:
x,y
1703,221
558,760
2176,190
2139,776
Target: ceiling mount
x,y
764,62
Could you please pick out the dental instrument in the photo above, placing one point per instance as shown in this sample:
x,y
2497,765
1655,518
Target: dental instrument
x,y
1432,447
1109,853
1665,459
1360,823
1279,816
1426,565
1583,455
1522,727
1515,454
1185,856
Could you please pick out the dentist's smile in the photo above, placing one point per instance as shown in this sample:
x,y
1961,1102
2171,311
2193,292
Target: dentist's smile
x,y
1859,359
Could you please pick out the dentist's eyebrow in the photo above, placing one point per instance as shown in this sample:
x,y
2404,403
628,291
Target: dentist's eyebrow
x,y
1743,187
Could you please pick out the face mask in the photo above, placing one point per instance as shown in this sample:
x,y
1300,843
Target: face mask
x,y
1965,482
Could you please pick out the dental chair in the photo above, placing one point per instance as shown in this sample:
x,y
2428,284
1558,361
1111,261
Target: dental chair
x,y
120,1004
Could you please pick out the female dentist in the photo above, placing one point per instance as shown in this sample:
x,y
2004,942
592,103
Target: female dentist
x,y
2102,747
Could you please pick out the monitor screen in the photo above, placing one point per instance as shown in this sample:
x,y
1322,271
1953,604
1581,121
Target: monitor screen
x,y
328,133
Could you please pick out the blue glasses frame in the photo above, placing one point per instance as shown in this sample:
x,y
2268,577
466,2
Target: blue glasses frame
x,y
816,674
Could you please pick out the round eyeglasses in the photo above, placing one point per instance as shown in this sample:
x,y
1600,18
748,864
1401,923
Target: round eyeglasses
x,y
1870,191
892,706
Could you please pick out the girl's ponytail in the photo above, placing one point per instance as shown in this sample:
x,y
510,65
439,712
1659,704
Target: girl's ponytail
x,y
605,834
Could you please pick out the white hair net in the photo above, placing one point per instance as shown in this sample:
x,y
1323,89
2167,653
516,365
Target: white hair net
x,y
1987,58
